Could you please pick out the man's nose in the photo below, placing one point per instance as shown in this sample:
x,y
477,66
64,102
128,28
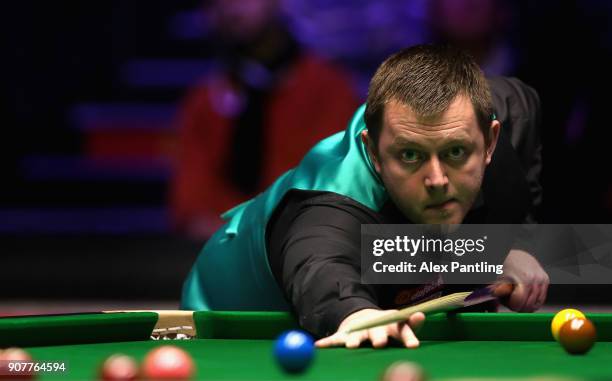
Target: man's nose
x,y
435,178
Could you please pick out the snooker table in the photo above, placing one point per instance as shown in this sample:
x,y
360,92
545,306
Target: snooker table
x,y
238,346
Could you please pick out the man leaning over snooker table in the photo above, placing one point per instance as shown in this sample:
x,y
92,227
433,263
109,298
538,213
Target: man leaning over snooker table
x,y
426,156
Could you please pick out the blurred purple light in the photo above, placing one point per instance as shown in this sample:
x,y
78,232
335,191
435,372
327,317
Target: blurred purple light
x,y
189,25
87,116
166,72
38,168
87,220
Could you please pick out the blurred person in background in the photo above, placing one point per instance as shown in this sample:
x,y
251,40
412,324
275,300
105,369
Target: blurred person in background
x,y
235,127
478,26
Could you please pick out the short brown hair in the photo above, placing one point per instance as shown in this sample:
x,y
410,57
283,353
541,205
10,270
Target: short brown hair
x,y
427,78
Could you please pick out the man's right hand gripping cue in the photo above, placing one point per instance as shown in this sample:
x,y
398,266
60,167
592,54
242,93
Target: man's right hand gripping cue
x,y
378,336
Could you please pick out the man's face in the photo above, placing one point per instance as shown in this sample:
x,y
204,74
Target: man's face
x,y
432,169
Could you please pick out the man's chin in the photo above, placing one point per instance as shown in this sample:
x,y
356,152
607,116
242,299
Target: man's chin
x,y
452,215
443,222
447,218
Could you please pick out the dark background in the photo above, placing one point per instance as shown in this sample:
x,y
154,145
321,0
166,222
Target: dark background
x,y
83,218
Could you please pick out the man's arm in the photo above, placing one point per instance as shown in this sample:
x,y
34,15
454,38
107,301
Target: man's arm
x,y
315,255
314,251
517,107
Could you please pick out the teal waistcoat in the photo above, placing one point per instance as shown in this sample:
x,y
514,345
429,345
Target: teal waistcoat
x,y
232,270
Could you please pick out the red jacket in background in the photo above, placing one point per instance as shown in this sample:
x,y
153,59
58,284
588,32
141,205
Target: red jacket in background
x,y
312,101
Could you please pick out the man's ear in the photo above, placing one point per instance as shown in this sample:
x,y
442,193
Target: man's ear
x,y
493,136
369,144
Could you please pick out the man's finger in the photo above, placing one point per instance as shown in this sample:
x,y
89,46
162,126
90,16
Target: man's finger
x,y
543,294
517,299
379,336
394,331
416,321
409,339
353,340
532,299
334,340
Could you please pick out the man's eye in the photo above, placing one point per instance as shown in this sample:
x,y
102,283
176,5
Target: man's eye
x,y
456,153
411,156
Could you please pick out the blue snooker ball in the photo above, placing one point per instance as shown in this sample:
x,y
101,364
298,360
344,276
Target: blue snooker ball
x,y
294,351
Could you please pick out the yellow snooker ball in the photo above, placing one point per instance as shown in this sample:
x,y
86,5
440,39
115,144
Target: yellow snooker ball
x,y
561,317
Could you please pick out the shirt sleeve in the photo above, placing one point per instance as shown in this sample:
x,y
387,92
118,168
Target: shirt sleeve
x,y
317,257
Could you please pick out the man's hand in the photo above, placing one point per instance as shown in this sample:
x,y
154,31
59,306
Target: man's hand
x,y
378,336
530,279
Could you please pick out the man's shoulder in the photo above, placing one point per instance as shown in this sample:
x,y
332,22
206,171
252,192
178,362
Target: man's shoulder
x,y
512,95
319,218
509,84
298,202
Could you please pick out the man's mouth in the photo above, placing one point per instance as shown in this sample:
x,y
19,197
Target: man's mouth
x,y
441,205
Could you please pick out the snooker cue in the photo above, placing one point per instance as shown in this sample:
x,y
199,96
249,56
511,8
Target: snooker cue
x,y
443,304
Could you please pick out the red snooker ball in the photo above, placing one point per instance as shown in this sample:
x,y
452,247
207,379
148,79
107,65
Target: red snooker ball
x,y
167,362
14,355
577,336
119,367
404,371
